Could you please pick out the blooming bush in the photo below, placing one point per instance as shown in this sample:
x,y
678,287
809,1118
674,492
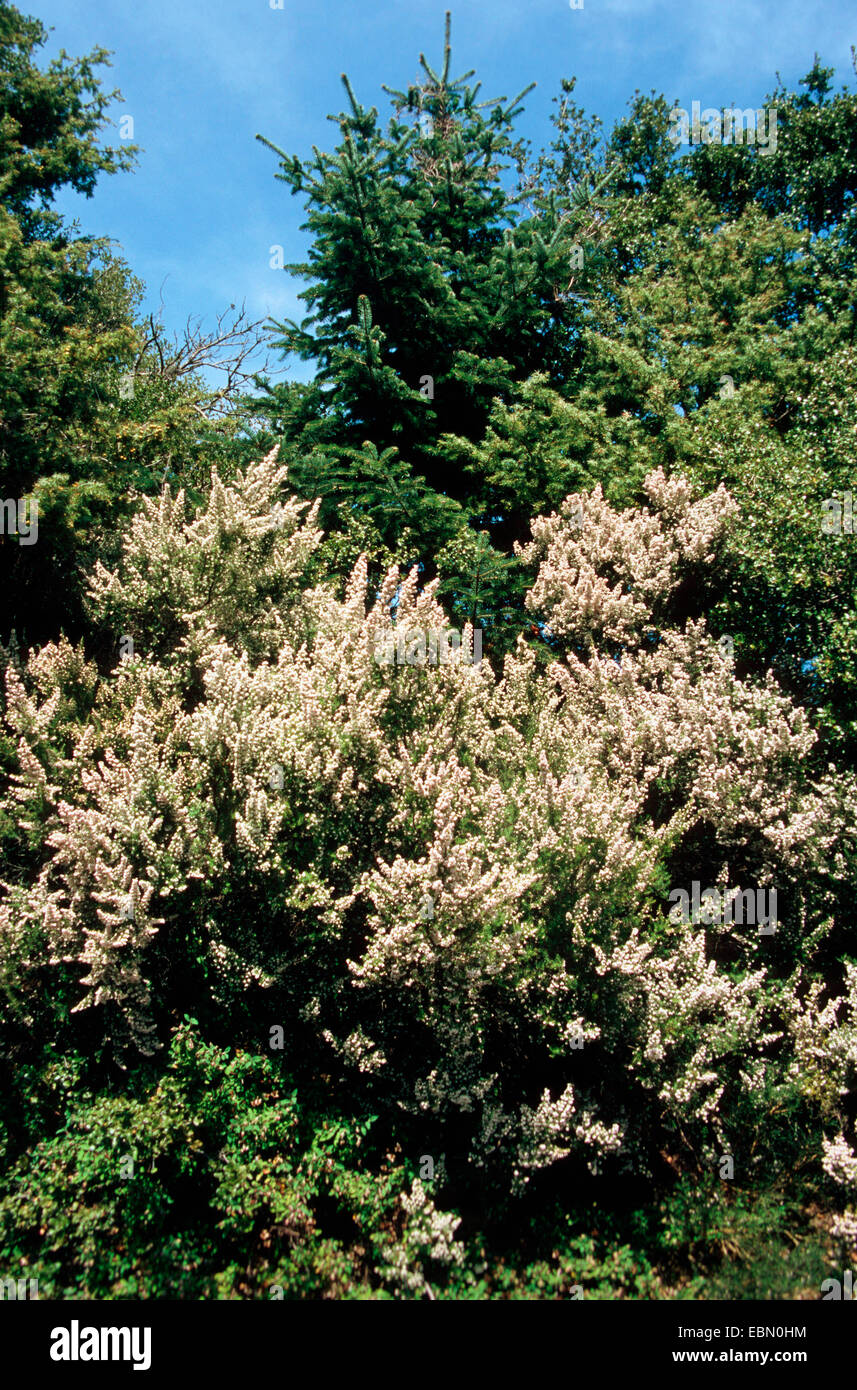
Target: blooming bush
x,y
447,884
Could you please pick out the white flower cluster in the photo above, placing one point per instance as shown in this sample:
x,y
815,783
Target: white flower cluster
x,y
840,1161
840,1164
428,1234
538,813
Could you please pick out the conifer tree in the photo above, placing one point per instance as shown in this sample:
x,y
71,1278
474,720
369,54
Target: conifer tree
x,y
518,329
437,285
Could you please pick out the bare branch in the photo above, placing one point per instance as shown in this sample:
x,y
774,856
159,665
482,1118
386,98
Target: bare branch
x,y
228,352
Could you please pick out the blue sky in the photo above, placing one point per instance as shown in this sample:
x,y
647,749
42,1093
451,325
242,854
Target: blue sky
x,y
197,218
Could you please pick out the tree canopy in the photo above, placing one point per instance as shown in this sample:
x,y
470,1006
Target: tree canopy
x,y
428,791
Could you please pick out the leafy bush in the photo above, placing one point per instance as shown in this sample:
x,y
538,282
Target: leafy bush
x,y
444,885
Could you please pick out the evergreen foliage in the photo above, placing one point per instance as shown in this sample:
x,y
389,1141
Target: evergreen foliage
x,y
332,968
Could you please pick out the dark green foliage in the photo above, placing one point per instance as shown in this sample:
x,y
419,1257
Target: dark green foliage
x,y
88,416
492,331
220,1179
